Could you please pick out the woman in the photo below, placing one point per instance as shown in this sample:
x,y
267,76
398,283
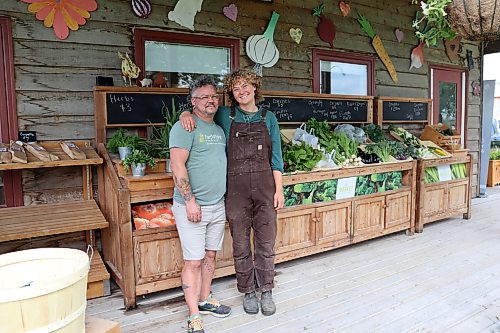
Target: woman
x,y
254,185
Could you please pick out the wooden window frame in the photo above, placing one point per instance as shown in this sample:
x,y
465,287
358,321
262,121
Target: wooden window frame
x,y
351,57
141,36
8,116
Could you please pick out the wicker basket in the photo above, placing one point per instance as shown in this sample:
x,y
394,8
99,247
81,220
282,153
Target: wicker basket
x,y
475,20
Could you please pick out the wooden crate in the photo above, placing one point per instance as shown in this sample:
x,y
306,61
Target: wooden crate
x,y
98,325
158,168
493,173
98,281
430,133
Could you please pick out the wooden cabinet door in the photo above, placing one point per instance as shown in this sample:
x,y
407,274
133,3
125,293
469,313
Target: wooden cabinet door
x,y
225,256
398,209
435,200
157,256
368,216
296,230
458,194
334,223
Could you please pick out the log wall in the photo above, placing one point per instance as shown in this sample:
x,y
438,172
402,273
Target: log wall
x,y
54,78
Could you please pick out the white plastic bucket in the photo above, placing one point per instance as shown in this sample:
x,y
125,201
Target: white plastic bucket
x,y
43,290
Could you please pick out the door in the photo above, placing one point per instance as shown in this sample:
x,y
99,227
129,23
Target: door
x,y
448,97
10,181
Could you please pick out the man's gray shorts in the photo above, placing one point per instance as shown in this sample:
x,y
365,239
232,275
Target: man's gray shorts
x,y
207,234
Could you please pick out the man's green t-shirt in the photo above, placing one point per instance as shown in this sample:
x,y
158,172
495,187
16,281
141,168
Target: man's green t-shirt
x,y
206,164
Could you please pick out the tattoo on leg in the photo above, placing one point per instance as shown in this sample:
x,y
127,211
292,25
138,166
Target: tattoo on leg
x,y
185,286
209,267
184,188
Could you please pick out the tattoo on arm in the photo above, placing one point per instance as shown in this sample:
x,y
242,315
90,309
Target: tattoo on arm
x,y
184,188
185,286
208,266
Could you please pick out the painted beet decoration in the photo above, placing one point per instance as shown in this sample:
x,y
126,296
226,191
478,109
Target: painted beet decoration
x,y
417,56
326,29
141,8
261,48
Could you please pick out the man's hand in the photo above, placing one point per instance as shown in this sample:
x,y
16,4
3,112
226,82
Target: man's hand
x,y
279,199
187,121
193,211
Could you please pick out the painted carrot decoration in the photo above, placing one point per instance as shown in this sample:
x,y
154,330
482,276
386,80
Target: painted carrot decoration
x,y
378,46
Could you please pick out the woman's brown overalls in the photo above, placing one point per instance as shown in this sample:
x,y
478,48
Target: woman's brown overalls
x,y
250,203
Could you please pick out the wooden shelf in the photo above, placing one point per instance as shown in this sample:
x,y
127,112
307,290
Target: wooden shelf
x,y
64,160
50,219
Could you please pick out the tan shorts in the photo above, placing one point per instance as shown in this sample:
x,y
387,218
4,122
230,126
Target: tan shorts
x,y
207,234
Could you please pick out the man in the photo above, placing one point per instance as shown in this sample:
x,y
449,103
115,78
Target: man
x,y
199,166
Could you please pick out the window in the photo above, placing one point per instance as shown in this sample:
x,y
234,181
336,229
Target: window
x,y
180,58
343,73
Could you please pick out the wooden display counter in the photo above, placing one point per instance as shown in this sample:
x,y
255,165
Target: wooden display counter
x,y
149,260
51,219
443,198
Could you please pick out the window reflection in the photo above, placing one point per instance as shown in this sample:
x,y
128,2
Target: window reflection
x,y
448,104
179,64
343,78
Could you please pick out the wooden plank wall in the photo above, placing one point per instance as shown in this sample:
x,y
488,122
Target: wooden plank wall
x,y
54,78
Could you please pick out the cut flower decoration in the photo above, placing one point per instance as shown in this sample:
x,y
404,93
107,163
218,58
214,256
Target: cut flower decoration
x,y
62,15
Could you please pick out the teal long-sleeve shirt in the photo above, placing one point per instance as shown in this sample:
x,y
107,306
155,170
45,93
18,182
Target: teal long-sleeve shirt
x,y
222,119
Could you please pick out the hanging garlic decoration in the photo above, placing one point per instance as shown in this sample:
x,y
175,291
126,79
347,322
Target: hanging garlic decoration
x,y
261,48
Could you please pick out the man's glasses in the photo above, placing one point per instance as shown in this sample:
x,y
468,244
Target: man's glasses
x,y
205,98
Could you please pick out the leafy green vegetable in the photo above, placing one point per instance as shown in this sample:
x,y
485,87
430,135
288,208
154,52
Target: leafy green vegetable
x,y
495,154
374,132
300,157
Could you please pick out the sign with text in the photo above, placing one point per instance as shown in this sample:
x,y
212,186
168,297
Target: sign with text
x,y
346,188
405,111
297,109
444,172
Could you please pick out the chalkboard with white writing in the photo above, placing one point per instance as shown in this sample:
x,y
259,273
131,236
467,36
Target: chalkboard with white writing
x,y
142,108
297,109
405,111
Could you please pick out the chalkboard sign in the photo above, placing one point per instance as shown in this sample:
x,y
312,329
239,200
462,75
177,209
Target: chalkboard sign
x,y
405,111
133,108
297,109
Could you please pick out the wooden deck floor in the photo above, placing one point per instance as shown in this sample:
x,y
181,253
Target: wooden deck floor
x,y
446,279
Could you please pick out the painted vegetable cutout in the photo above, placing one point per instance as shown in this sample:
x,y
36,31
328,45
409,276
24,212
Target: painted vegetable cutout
x,y
344,8
141,8
378,46
417,57
261,48
326,29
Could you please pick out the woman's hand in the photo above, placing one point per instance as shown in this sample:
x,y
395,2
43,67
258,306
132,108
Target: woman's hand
x,y
187,121
279,199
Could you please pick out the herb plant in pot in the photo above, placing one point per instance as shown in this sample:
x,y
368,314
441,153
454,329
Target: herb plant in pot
x,y
160,135
122,143
137,161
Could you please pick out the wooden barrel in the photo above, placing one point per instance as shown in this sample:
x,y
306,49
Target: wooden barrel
x,y
477,20
43,290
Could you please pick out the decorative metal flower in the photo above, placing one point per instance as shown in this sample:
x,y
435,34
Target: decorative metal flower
x,y
62,15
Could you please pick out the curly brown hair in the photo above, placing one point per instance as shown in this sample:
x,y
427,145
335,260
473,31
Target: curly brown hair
x,y
231,79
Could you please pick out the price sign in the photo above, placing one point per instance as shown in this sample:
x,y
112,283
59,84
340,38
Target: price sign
x,y
346,188
444,172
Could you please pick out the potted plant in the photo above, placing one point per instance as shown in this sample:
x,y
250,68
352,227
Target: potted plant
x,y
137,160
160,135
494,168
434,17
122,143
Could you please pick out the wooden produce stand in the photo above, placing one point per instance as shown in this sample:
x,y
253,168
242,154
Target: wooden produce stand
x,y
59,218
311,228
446,198
149,260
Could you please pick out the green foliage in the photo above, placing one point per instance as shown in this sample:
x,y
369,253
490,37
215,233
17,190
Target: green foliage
x,y
495,154
379,182
345,147
312,192
458,171
300,157
382,149
433,18
374,132
138,156
365,25
431,175
121,138
160,135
